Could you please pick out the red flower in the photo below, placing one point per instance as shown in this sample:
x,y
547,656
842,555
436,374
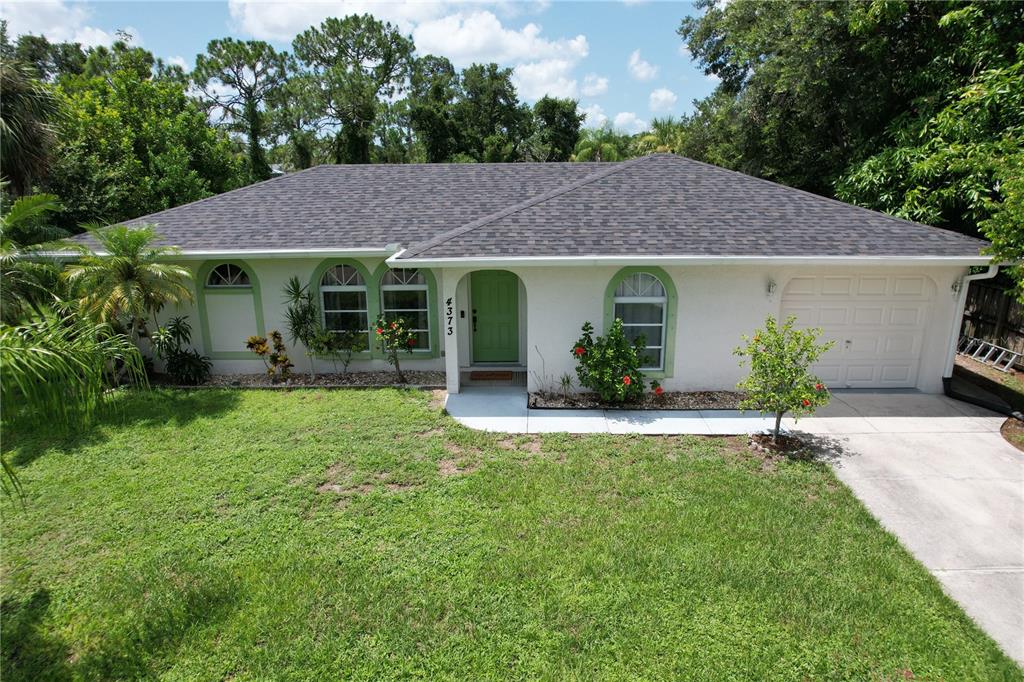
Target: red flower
x,y
412,342
394,325
626,380
580,350
819,387
379,330
659,390
807,403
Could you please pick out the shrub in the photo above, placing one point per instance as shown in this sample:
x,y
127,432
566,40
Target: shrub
x,y
183,365
302,316
272,351
780,381
610,365
341,345
394,338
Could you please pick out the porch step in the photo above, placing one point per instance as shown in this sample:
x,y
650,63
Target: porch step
x,y
490,376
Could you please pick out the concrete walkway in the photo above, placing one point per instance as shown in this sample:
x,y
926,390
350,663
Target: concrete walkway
x,y
503,409
934,471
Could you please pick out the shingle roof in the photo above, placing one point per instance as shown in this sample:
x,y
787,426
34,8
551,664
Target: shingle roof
x,y
655,205
663,205
356,206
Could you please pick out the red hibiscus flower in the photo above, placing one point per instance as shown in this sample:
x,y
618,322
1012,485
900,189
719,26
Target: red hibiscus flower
x,y
807,403
580,350
412,342
394,325
819,387
626,380
379,330
659,390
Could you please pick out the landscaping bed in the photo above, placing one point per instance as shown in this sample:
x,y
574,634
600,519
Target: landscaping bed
x,y
669,400
383,378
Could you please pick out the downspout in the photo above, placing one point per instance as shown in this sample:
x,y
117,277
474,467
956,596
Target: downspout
x,y
954,340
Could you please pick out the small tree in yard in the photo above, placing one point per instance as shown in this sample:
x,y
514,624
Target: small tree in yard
x,y
780,381
395,338
610,365
303,319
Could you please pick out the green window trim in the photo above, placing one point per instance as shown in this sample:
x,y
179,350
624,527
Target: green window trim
x,y
668,353
432,310
372,299
252,291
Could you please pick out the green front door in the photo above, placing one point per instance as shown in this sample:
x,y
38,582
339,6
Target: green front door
x,y
495,320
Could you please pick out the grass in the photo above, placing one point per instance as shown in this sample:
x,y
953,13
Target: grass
x,y
364,535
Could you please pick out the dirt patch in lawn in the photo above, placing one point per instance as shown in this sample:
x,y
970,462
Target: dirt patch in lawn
x,y
670,400
451,467
437,398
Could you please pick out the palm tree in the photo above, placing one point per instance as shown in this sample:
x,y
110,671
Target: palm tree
x,y
600,144
126,280
665,135
27,109
29,277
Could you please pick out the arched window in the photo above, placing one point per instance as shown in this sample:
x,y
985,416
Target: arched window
x,y
642,304
343,300
403,294
228,275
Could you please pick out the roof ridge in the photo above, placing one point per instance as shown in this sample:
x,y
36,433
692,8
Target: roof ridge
x,y
416,249
821,197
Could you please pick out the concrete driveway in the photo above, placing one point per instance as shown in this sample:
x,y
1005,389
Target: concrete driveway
x,y
938,475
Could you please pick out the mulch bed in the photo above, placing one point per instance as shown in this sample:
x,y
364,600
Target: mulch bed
x,y
347,380
1013,431
670,400
784,445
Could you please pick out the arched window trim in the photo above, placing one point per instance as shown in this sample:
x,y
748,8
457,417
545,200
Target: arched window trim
x,y
232,279
372,305
203,292
402,283
350,285
670,300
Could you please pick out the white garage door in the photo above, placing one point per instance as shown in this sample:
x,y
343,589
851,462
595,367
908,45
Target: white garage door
x,y
876,321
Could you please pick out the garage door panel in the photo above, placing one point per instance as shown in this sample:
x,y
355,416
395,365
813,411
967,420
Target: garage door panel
x,y
876,322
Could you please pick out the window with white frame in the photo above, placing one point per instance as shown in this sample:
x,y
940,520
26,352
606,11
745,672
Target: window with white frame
x,y
641,303
404,294
343,300
228,275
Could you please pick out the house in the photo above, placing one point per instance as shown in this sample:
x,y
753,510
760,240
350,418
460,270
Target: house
x,y
498,266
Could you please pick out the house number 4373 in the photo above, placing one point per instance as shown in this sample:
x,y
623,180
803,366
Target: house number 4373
x,y
449,315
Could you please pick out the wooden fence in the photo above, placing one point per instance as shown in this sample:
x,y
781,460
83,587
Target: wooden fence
x,y
992,313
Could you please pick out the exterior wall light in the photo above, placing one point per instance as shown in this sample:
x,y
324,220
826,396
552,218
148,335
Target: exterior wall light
x,y
770,288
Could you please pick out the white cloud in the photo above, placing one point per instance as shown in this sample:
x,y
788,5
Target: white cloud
x,y
595,116
547,77
178,60
480,37
594,85
629,122
640,69
712,77
684,51
282,21
662,99
58,20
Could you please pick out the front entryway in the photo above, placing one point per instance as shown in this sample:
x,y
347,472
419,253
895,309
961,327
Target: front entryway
x,y
495,316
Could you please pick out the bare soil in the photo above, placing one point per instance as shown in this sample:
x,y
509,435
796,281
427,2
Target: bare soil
x,y
670,400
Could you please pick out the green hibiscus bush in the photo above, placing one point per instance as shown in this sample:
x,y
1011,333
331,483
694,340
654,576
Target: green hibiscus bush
x,y
780,380
394,338
610,365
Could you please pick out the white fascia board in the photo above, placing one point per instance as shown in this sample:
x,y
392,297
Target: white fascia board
x,y
574,261
260,253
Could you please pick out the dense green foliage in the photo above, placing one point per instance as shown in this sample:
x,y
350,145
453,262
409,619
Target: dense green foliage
x,y
171,342
913,108
395,338
780,380
610,365
362,534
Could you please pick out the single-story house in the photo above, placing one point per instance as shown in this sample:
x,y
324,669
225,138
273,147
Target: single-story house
x,y
499,265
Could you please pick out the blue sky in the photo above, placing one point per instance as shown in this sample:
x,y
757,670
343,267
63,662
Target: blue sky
x,y
622,60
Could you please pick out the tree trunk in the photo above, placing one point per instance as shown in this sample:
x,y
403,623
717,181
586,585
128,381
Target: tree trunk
x,y
778,424
398,369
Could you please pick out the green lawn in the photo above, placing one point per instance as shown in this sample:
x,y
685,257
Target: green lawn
x,y
363,534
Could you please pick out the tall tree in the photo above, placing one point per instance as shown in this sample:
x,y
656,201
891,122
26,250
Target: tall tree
x,y
129,145
237,79
434,85
601,144
294,116
558,124
28,110
492,122
356,61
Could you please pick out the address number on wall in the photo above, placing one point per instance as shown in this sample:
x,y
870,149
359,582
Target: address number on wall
x,y
449,315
